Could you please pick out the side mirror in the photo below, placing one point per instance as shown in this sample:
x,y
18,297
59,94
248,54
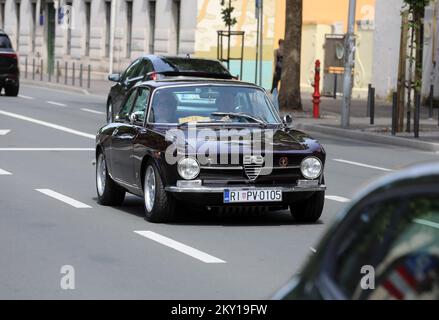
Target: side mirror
x,y
287,119
135,117
115,77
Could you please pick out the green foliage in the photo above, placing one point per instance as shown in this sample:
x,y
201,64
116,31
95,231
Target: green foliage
x,y
226,13
417,4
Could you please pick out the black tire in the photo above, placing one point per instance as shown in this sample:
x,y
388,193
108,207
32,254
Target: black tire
x,y
12,90
109,111
112,194
309,210
164,204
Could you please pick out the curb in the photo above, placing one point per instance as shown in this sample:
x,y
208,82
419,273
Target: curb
x,y
45,84
371,137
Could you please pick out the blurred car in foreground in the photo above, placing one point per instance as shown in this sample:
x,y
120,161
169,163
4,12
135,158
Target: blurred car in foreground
x,y
151,67
9,70
390,232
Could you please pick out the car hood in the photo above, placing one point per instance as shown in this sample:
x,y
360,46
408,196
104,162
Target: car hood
x,y
279,140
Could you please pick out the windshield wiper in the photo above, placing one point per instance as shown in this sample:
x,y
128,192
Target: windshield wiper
x,y
199,122
240,115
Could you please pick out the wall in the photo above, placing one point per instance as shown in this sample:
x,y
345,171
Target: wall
x,y
386,46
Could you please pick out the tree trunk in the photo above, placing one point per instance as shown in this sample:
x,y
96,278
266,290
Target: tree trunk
x,y
402,71
289,94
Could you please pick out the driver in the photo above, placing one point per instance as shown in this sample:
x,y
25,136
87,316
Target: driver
x,y
226,102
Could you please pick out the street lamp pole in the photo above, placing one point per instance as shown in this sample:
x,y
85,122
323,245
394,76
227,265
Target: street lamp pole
x,y
349,65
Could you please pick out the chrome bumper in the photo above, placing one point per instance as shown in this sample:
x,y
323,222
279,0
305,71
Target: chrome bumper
x,y
204,189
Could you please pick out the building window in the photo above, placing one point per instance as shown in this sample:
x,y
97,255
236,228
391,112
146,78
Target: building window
x,y
87,28
17,12
129,27
151,38
69,30
34,25
107,27
176,15
2,12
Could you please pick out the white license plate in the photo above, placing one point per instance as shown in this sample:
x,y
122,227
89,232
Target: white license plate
x,y
265,195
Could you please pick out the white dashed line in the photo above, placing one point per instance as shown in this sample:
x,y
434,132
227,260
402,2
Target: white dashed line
x,y
362,165
57,103
47,149
337,198
25,97
92,111
312,250
194,253
63,198
4,132
4,172
427,223
48,124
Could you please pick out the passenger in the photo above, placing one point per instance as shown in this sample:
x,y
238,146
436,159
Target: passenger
x,y
164,108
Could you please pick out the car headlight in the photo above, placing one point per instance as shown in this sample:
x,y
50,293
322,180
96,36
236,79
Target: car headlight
x,y
188,168
311,167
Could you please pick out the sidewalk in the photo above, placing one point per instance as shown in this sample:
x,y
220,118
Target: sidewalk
x,y
360,127
97,87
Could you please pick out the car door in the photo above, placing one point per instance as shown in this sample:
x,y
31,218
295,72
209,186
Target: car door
x,y
389,250
126,82
121,142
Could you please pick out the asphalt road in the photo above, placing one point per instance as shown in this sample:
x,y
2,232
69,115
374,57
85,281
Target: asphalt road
x,y
46,152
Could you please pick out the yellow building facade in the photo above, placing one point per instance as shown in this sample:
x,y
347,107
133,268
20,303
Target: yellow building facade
x,y
320,18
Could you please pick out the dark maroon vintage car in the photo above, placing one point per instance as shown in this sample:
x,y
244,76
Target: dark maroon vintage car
x,y
212,143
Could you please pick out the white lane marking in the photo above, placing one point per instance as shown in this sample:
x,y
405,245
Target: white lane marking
x,y
337,198
47,149
4,172
57,103
92,111
427,223
48,124
197,254
63,198
362,165
4,132
25,97
312,250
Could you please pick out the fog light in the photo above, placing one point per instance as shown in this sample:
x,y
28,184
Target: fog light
x,y
188,183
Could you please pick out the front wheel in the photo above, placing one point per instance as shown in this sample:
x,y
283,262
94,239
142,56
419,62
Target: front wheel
x,y
109,111
159,205
309,210
12,90
109,193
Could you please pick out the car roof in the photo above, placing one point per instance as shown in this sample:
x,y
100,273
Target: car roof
x,y
169,82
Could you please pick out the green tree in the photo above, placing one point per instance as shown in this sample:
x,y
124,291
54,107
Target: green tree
x,y
289,94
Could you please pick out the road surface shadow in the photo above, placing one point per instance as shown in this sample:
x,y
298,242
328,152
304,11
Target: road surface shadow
x,y
202,217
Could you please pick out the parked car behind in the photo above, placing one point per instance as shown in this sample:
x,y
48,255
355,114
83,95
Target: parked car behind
x,y
9,69
151,67
385,245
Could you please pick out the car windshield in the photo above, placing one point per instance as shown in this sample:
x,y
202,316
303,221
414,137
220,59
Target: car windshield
x,y
211,103
4,42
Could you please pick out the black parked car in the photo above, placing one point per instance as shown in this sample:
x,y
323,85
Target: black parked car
x,y
155,149
385,245
151,67
9,69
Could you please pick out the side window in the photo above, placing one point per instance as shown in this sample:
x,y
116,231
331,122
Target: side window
x,y
399,239
127,105
131,71
141,102
145,67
